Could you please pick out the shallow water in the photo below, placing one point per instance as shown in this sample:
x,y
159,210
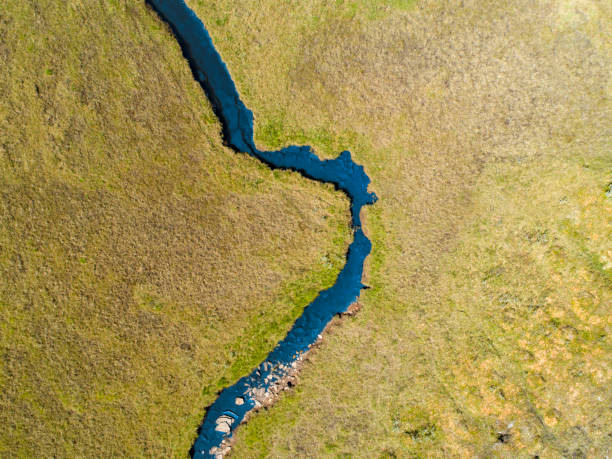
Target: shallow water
x,y
234,402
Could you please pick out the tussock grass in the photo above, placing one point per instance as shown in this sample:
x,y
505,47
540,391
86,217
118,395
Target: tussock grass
x,y
485,127
143,266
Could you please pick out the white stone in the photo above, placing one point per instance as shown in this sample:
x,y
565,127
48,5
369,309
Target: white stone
x,y
223,427
224,424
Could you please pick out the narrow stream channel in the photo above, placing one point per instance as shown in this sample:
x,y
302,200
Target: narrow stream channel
x,y
234,402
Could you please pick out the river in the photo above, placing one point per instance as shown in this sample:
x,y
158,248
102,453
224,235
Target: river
x,y
234,402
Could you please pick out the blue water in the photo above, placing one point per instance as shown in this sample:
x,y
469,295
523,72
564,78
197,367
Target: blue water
x,y
210,71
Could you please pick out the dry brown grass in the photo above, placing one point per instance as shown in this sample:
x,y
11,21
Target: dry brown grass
x,y
143,266
485,127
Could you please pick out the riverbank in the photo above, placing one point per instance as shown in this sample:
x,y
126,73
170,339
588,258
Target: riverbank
x,y
265,399
208,68
484,127
143,265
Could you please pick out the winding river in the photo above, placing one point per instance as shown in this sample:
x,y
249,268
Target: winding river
x,y
234,402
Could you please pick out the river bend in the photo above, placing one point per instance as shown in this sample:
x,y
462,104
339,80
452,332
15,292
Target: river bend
x,y
234,402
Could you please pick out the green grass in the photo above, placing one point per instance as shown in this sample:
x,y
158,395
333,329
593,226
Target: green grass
x,y
143,266
484,128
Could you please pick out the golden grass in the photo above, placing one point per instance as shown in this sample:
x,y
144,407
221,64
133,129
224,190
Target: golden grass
x,y
143,266
485,127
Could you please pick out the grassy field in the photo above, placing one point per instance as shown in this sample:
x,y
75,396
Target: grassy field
x,y
485,127
143,266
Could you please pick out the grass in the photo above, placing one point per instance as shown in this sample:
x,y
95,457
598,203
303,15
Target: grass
x,y
485,130
143,266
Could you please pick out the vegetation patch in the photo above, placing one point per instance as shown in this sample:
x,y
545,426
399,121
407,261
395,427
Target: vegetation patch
x,y
489,304
143,266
